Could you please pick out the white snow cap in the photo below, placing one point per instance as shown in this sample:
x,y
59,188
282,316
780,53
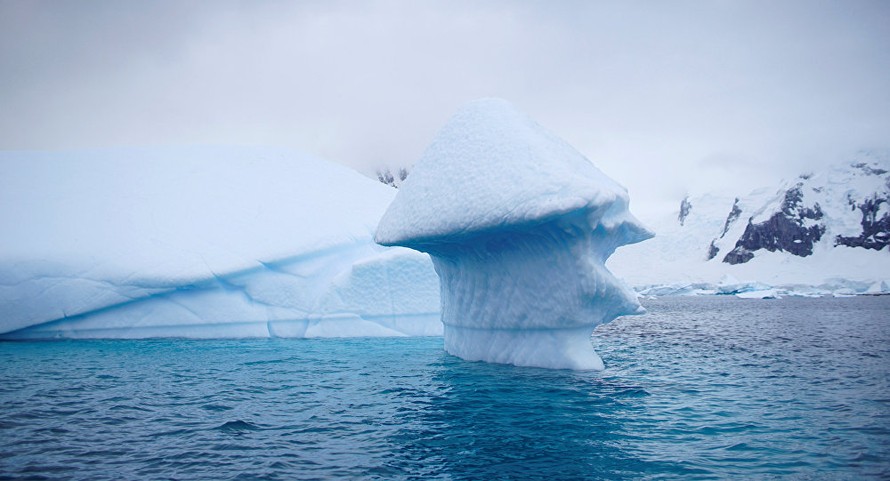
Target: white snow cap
x,y
491,167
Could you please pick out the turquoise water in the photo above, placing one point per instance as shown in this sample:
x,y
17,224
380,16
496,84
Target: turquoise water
x,y
699,388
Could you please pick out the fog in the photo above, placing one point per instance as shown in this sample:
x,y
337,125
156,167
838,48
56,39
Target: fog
x,y
666,97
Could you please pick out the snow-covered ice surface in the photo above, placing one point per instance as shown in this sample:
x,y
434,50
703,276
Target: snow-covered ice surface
x,y
678,263
518,224
201,242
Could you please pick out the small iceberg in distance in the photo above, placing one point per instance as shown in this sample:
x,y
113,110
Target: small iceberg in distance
x,y
518,224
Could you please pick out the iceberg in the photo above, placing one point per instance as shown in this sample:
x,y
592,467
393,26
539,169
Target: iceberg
x,y
201,242
518,225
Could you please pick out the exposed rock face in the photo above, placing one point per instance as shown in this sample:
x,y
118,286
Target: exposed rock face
x,y
788,230
733,216
875,227
713,250
830,227
685,207
386,176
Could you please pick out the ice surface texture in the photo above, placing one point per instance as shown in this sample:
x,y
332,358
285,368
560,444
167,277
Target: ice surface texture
x,y
518,224
201,242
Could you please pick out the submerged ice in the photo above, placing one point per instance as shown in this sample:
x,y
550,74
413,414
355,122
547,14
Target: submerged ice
x,y
518,225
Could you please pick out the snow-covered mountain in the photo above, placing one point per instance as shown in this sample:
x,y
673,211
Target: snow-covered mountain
x,y
821,232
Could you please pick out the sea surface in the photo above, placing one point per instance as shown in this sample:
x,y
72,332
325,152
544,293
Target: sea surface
x,y
698,388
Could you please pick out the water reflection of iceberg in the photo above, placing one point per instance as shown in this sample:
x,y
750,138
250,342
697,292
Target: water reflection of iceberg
x,y
489,421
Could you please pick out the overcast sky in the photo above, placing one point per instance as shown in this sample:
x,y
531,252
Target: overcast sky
x,y
667,97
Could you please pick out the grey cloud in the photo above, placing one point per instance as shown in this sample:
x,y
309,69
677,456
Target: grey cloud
x,y
651,91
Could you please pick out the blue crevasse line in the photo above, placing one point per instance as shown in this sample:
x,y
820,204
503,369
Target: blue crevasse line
x,y
208,283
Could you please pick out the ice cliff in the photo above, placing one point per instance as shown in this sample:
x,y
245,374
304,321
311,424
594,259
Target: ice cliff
x,y
518,225
201,242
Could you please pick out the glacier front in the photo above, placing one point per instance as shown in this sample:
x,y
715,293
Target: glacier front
x,y
202,242
518,225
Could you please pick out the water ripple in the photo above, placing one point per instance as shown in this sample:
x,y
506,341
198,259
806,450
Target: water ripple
x,y
696,389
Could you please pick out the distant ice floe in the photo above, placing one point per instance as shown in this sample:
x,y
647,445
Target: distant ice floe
x,y
730,286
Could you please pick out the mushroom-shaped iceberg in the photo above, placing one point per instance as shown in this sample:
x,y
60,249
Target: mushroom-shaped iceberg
x,y
518,224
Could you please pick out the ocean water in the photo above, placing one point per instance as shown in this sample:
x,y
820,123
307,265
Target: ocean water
x,y
698,388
